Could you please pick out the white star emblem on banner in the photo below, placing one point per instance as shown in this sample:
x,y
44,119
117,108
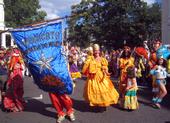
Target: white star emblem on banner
x,y
44,63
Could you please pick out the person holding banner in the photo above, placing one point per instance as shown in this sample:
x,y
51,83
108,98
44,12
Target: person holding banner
x,y
42,49
99,91
60,102
13,99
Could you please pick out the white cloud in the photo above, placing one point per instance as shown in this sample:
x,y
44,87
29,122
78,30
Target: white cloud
x,y
55,8
149,1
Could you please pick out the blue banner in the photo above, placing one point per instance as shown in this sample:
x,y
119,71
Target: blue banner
x,y
41,47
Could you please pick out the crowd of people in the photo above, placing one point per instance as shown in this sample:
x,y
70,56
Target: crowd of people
x,y
130,67
142,66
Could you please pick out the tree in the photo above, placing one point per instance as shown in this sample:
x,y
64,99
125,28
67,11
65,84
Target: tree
x,y
22,12
153,21
110,22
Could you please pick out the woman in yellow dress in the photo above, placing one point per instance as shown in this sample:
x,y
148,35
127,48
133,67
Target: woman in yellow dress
x,y
99,90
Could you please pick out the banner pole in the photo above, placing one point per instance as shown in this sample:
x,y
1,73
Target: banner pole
x,y
41,22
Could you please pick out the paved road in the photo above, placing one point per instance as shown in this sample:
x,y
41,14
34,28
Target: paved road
x,y
41,111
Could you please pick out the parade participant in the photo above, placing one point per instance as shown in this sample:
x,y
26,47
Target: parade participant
x,y
2,72
47,63
13,100
2,60
89,53
152,62
73,69
168,70
159,71
99,90
124,62
141,58
89,56
61,101
153,58
168,64
130,101
145,45
74,54
113,66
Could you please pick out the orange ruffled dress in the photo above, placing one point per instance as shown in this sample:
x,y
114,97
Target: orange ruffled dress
x,y
124,64
99,89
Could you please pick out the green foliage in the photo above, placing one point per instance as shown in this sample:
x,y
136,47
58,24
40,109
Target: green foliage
x,y
22,12
110,22
154,21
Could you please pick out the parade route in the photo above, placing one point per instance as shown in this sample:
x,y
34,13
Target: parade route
x,y
39,109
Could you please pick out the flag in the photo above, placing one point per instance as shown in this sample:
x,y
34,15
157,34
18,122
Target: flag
x,y
42,49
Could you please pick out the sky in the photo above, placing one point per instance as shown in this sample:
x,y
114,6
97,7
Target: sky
x,y
57,8
61,8
149,1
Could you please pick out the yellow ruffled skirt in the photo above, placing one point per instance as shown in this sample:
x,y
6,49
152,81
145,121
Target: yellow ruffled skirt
x,y
100,91
131,101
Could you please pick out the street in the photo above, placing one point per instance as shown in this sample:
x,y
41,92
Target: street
x,y
39,109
